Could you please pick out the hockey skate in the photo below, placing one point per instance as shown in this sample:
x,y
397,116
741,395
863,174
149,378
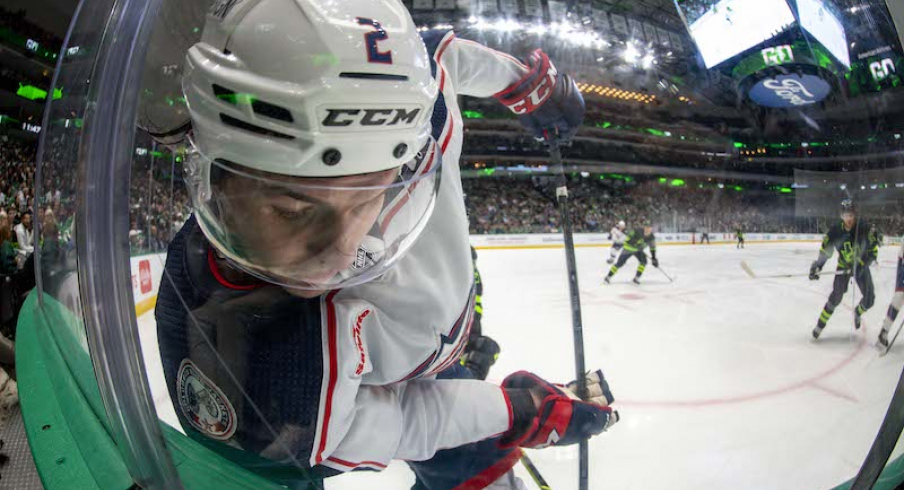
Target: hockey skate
x,y
882,343
857,320
817,331
610,260
607,280
636,280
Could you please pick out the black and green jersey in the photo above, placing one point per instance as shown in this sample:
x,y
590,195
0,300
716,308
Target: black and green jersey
x,y
858,246
740,234
637,241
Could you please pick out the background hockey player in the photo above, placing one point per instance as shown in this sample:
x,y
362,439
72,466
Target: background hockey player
x,y
324,280
739,234
704,235
617,235
482,351
857,247
635,243
896,301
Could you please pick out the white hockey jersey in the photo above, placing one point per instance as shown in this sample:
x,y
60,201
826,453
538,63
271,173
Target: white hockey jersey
x,y
384,341
618,236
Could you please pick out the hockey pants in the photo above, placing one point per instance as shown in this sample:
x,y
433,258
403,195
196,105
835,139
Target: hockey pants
x,y
864,280
625,255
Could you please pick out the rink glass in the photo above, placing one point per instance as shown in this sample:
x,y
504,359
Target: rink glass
x,y
717,380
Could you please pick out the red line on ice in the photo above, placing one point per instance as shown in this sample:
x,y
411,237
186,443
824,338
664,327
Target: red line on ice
x,y
706,402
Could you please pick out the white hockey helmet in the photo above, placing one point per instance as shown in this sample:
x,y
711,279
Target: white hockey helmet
x,y
311,118
621,224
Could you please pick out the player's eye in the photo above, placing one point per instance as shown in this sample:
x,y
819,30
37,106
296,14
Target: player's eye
x,y
296,213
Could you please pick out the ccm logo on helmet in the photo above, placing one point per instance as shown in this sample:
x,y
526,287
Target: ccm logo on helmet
x,y
337,118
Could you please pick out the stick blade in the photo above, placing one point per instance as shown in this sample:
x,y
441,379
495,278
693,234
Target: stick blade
x,y
747,269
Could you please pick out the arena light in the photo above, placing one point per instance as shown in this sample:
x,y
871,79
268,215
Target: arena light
x,y
538,29
507,25
631,54
648,61
31,92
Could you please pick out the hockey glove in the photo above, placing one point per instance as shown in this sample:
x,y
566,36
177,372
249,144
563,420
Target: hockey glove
x,y
655,262
815,269
480,354
547,103
558,417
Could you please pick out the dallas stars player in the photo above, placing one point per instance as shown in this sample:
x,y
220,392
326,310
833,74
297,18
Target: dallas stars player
x,y
635,243
858,247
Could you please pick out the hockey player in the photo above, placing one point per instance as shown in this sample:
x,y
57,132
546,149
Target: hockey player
x,y
323,282
635,243
482,351
704,236
896,301
617,235
739,234
857,247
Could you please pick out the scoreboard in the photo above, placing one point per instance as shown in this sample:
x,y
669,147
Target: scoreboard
x,y
792,53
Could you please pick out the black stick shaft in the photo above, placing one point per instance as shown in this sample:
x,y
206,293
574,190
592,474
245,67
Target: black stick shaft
x,y
577,325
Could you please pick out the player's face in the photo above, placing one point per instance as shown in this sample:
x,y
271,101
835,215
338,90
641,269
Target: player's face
x,y
849,219
306,236
647,230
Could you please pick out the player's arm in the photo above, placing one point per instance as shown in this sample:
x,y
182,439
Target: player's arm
x,y
475,69
547,103
414,420
872,251
825,253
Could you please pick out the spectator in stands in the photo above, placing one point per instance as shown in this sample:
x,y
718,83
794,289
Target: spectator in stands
x,y
8,253
25,239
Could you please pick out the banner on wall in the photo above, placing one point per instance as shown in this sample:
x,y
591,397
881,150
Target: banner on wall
x,y
601,21
619,24
146,273
533,8
509,7
552,240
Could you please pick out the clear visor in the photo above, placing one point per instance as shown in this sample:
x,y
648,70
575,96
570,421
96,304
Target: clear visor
x,y
309,233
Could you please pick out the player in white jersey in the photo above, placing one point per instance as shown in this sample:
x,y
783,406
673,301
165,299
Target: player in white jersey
x,y
618,236
896,301
324,282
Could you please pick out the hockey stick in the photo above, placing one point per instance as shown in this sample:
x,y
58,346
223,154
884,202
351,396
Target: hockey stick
x,y
753,275
667,276
534,472
565,212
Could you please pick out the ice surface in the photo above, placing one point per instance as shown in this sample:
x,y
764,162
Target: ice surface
x,y
715,376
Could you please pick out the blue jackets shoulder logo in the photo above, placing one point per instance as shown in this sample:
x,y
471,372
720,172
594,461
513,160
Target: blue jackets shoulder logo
x,y
203,403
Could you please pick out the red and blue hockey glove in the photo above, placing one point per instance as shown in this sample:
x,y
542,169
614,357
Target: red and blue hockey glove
x,y
547,103
545,414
